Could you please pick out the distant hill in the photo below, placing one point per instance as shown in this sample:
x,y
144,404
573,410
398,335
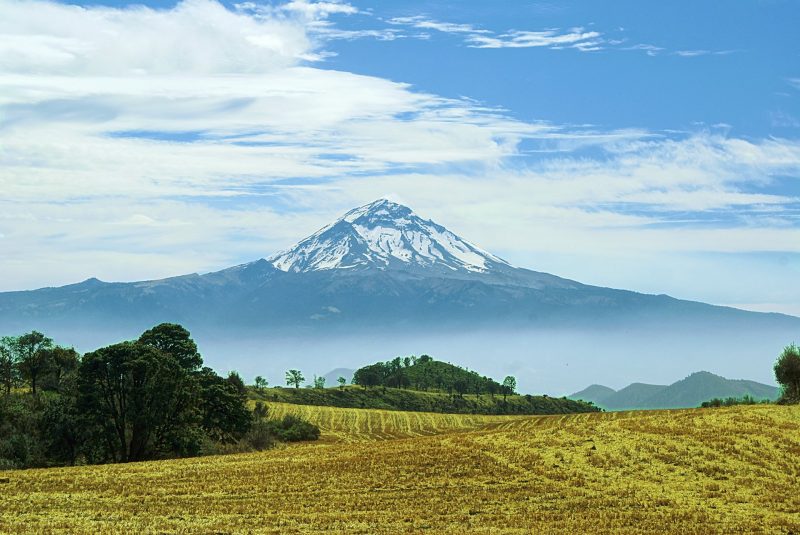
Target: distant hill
x,y
686,393
702,386
633,396
595,393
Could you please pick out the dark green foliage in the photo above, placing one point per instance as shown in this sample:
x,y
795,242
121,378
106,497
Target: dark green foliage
x,y
142,399
130,401
424,374
411,400
32,357
18,445
731,401
236,381
9,373
174,340
62,364
787,373
294,377
225,417
293,429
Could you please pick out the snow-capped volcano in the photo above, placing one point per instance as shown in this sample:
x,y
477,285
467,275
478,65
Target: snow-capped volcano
x,y
386,235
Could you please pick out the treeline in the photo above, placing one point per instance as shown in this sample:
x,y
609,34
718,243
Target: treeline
x,y
151,398
425,373
732,401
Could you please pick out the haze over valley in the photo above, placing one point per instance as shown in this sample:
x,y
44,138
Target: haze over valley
x,y
382,281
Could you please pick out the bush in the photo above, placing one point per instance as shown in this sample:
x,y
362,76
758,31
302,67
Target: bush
x,y
293,429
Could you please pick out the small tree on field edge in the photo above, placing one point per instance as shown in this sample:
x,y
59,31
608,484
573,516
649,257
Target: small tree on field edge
x,y
294,377
787,373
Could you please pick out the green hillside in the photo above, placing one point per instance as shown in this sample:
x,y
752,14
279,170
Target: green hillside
x,y
410,400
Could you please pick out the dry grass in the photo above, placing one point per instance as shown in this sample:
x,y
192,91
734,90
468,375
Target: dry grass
x,y
728,470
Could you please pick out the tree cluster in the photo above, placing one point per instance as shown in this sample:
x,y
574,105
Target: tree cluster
x,y
145,399
425,373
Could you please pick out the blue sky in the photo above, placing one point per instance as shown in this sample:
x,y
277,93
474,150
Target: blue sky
x,y
645,145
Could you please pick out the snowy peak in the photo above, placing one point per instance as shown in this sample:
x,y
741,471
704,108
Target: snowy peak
x,y
386,235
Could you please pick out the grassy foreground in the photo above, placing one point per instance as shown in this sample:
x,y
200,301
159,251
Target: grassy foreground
x,y
727,470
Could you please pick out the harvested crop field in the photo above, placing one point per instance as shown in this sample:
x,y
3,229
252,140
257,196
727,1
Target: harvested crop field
x,y
727,470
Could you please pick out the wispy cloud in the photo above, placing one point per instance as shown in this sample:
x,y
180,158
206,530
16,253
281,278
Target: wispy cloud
x,y
475,37
574,38
695,53
422,22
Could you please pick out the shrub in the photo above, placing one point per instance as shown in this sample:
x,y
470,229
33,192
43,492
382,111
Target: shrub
x,y
293,429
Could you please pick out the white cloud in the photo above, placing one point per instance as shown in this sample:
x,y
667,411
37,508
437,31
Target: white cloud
x,y
196,37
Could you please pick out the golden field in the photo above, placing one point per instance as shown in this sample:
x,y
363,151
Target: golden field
x,y
727,470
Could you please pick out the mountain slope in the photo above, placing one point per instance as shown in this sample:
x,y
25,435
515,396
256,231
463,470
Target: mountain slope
x,y
633,396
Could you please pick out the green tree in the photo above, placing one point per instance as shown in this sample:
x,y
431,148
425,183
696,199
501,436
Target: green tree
x,y
509,386
461,386
223,406
787,373
33,359
140,398
342,381
8,363
236,381
319,382
491,387
294,377
260,382
372,375
174,340
62,361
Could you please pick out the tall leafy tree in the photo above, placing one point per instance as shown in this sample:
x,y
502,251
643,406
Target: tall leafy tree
x,y
8,363
236,381
294,377
141,399
174,340
62,362
509,386
225,416
33,359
